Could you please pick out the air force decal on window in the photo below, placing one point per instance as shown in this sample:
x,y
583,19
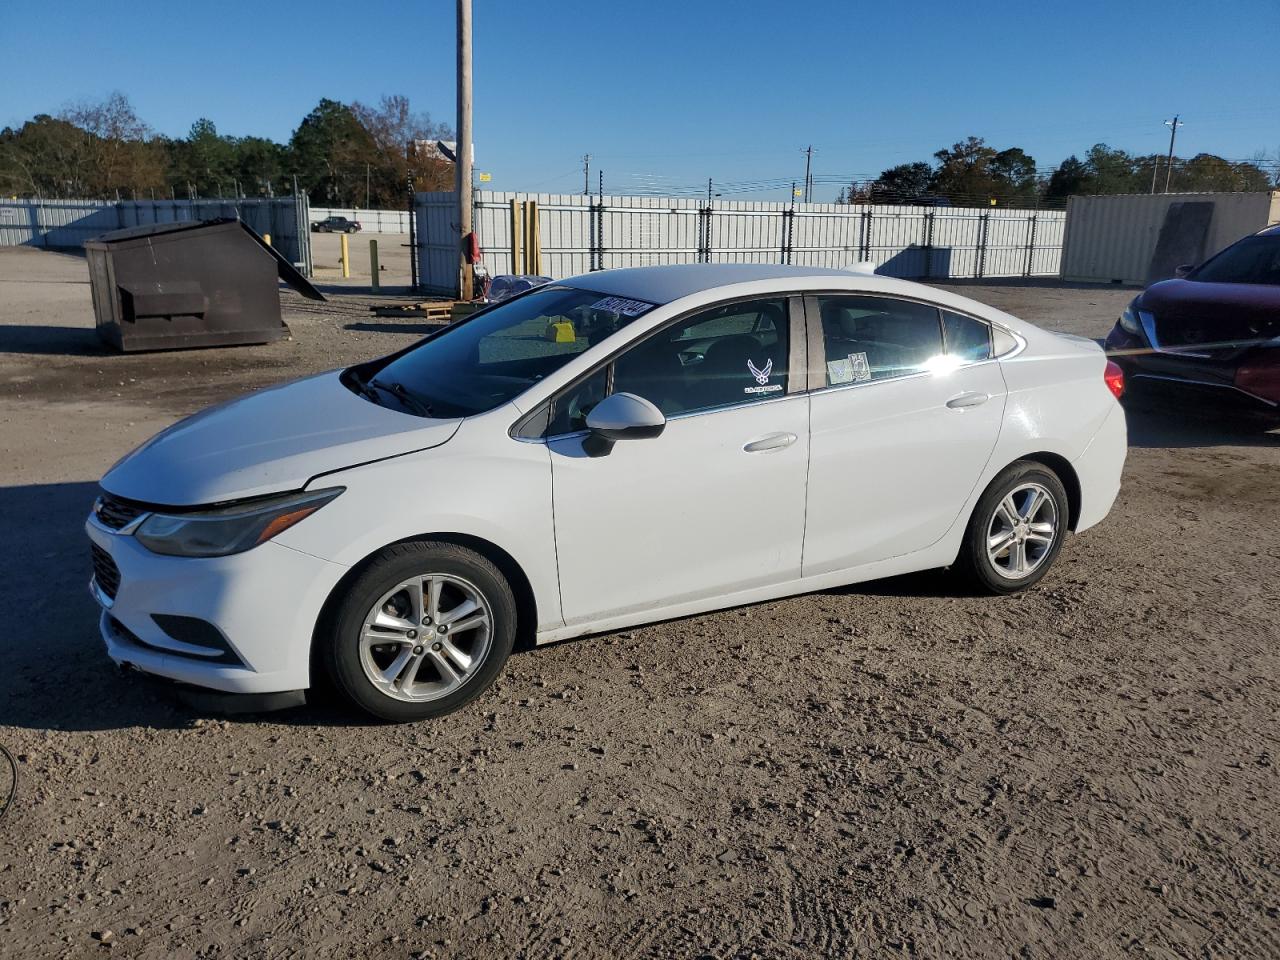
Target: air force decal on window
x,y
762,378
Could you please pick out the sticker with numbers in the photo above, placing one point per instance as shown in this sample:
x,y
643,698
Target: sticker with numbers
x,y
622,306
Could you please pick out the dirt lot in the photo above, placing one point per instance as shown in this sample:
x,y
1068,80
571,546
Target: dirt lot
x,y
896,769
393,257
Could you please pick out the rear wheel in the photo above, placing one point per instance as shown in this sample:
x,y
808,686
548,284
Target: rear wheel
x,y
421,632
1016,530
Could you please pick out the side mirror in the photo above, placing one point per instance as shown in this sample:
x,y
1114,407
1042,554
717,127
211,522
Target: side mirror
x,y
622,416
1182,269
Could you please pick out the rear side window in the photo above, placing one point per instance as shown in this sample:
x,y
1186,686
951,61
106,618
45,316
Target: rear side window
x,y
877,338
968,339
1002,342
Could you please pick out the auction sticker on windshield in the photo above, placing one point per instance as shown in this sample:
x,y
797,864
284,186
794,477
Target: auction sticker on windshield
x,y
622,306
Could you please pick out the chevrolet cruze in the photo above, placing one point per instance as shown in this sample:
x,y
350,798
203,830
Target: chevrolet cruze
x,y
617,448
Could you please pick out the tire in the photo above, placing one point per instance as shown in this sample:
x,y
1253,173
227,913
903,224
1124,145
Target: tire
x,y
432,670
999,571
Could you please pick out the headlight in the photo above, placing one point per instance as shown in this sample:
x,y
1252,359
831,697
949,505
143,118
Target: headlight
x,y
230,529
1129,321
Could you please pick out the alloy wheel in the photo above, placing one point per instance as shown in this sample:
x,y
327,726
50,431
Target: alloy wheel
x,y
426,637
1022,531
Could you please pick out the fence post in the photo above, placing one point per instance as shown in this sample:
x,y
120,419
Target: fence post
x,y
710,220
600,226
928,244
788,223
1031,246
591,233
517,248
704,223
866,235
413,236
532,241
983,220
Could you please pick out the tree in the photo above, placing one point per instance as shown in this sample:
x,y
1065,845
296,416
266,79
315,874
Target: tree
x,y
328,153
46,157
903,183
120,154
259,165
203,162
394,127
964,174
1070,177
1013,172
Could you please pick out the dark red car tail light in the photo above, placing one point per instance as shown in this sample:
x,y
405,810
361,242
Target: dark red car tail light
x,y
1260,375
1115,379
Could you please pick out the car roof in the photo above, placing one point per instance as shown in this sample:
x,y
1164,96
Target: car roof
x,y
1271,231
669,283
674,281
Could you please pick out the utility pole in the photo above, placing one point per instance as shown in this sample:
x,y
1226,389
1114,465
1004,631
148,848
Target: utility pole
x,y
586,174
1173,126
366,186
708,191
808,160
463,156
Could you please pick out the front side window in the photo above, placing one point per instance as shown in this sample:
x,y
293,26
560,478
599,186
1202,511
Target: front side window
x,y
877,338
496,356
732,354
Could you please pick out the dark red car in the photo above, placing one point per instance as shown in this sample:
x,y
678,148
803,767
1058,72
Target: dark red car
x,y
1216,326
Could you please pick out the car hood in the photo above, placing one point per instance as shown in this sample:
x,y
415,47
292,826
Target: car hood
x,y
1211,300
268,442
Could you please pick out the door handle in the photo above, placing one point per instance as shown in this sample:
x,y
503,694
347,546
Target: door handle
x,y
968,400
774,441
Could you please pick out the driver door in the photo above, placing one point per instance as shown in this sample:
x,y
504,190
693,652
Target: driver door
x,y
715,504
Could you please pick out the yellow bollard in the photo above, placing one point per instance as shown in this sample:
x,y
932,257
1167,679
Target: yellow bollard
x,y
373,265
266,238
346,257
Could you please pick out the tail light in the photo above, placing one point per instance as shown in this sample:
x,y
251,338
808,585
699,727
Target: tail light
x,y
1115,379
1259,377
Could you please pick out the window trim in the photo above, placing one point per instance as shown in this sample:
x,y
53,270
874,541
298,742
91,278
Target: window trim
x,y
795,375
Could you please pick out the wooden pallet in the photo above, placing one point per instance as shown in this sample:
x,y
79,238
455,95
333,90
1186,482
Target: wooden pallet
x,y
429,311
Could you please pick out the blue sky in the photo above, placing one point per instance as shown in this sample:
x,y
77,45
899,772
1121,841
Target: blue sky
x,y
669,93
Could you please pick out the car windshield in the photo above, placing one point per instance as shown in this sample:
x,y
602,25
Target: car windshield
x,y
497,355
1251,260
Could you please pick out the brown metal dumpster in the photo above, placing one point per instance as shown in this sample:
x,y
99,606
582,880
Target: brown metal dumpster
x,y
203,283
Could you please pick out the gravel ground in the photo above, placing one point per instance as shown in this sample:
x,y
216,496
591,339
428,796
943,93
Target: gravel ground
x,y
895,769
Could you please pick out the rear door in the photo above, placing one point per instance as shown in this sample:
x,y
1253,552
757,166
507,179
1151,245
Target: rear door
x,y
714,505
906,410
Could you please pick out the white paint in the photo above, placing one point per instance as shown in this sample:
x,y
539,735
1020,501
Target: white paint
x,y
841,485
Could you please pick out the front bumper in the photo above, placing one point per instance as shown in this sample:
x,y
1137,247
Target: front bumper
x,y
264,602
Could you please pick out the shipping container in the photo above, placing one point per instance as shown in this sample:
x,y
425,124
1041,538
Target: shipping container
x,y
1140,238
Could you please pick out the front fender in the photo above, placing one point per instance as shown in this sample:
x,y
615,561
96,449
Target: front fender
x,y
494,489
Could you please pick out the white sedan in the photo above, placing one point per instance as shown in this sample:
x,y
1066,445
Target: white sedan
x,y
613,449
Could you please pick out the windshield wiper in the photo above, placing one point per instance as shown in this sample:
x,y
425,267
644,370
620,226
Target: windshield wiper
x,y
398,391
365,388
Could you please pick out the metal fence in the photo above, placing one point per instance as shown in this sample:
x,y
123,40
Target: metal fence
x,y
578,234
69,223
371,221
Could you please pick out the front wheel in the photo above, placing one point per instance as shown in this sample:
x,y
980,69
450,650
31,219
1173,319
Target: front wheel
x,y
1016,530
421,632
